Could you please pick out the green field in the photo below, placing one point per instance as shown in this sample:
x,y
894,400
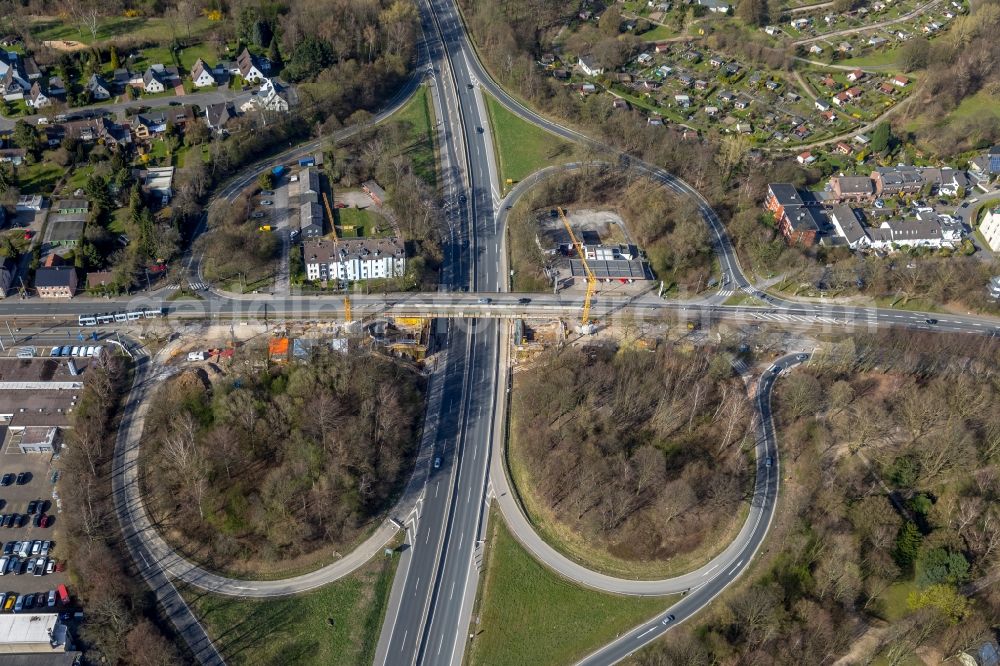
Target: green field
x,y
162,54
523,148
980,104
39,178
364,222
529,615
138,28
657,33
882,58
338,624
416,119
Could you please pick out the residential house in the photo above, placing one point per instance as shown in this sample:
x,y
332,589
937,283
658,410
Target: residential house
x,y
855,75
742,103
250,67
828,82
153,80
272,96
14,84
354,260
853,93
159,182
727,97
852,188
716,62
895,233
120,79
217,115
146,125
56,87
98,88
682,101
877,41
772,30
815,49
800,23
32,202
900,81
31,69
845,47
829,116
36,98
56,282
310,220
886,88
799,218
662,47
897,180
990,229
644,58
711,111
13,156
843,148
201,75
72,207
805,158
716,6
587,88
840,99
620,103
771,84
847,225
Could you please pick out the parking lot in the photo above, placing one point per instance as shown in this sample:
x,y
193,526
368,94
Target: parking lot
x,y
15,498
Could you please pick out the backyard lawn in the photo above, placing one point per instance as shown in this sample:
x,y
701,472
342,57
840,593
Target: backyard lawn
x,y
523,148
338,624
361,223
38,178
557,622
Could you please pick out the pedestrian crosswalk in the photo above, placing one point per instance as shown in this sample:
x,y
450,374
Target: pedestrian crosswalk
x,y
193,286
727,292
774,316
741,366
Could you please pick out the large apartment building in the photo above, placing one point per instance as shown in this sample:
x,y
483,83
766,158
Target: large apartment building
x,y
354,260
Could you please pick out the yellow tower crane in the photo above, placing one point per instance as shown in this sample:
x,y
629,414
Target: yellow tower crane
x,y
333,230
591,279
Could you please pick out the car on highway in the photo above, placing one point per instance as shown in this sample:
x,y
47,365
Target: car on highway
x,y
775,369
667,620
802,357
437,462
769,461
485,301
480,130
524,301
469,86
931,321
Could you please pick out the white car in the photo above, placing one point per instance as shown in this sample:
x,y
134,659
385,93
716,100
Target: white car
x,y
50,566
75,351
3,564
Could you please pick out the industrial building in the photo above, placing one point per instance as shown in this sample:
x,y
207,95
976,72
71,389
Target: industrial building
x,y
33,633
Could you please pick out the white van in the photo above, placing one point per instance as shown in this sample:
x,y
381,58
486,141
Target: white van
x,y
196,356
42,121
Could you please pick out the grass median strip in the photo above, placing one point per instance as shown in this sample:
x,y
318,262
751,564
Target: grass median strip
x,y
529,615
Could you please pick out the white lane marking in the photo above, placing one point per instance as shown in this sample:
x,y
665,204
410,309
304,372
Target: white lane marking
x,y
437,487
646,632
710,570
733,570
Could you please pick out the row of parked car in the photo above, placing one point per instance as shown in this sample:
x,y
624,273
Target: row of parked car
x,y
11,602
36,566
9,478
82,351
28,548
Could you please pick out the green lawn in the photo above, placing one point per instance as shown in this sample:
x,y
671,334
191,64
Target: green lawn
x,y
364,222
38,178
887,57
893,603
162,54
657,33
416,118
980,104
529,615
523,148
78,179
138,28
338,624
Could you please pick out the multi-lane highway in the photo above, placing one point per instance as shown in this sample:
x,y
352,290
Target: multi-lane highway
x,y
433,598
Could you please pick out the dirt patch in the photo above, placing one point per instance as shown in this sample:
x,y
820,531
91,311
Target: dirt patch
x,y
67,46
591,227
354,199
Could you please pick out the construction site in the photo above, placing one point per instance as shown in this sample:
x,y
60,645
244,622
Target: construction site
x,y
601,237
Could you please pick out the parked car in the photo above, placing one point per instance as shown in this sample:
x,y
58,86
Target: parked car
x,y
4,561
38,520
46,547
50,566
60,567
8,520
56,351
32,507
8,548
266,193
29,601
52,598
31,565
40,566
19,606
7,479
46,521
8,605
266,202
23,478
258,215
36,547
40,600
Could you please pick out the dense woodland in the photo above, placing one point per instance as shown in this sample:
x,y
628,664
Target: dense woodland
x,y
643,454
669,229
275,464
889,520
120,609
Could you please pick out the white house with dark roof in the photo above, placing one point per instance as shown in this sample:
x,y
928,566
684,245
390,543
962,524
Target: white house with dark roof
x,y
250,67
36,98
153,80
98,87
202,75
589,66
